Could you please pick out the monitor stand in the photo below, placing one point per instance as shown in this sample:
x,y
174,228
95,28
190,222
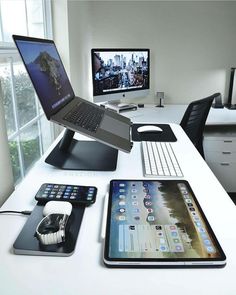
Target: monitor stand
x,y
70,154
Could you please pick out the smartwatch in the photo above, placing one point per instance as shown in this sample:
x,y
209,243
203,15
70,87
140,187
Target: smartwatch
x,y
52,228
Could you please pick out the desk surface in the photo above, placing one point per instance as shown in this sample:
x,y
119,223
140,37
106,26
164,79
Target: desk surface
x,y
174,114
84,272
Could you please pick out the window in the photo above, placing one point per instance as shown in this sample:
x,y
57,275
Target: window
x,y
29,132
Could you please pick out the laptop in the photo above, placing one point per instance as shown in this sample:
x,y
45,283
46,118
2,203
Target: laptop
x,y
158,223
60,105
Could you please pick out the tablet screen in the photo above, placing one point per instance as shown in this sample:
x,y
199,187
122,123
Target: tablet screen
x,y
157,220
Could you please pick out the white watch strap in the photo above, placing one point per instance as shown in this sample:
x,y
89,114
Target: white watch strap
x,y
52,237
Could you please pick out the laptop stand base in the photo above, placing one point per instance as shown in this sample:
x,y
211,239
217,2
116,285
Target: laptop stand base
x,y
70,154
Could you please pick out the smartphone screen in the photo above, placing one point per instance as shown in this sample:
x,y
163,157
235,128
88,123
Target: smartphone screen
x,y
65,192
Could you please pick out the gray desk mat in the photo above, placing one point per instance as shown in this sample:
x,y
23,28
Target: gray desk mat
x,y
27,243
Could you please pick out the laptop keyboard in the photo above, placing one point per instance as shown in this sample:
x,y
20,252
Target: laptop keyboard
x,y
86,116
159,160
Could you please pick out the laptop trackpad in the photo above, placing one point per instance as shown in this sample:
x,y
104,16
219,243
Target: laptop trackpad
x,y
115,126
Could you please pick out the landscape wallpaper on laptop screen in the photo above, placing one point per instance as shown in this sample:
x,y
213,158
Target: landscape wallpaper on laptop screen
x,y
46,72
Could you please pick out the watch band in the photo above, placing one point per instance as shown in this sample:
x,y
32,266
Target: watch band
x,y
51,229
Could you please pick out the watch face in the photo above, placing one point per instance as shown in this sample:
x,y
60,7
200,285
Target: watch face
x,y
50,224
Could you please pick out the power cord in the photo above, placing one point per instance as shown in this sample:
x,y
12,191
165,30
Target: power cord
x,y
25,212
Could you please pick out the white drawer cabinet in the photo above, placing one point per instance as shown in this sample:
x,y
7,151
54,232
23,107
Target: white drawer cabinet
x,y
220,154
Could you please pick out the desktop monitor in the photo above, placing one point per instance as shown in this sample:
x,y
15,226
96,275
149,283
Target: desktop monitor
x,y
120,73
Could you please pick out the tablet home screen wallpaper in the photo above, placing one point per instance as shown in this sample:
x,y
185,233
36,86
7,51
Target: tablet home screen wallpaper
x,y
156,220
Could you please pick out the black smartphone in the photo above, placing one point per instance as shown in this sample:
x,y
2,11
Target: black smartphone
x,y
75,194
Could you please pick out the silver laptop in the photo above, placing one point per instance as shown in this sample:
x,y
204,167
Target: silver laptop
x,y
60,105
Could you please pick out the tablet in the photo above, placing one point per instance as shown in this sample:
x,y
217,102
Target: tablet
x,y
158,223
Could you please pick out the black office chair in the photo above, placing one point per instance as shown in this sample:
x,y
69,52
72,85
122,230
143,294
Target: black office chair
x,y
194,119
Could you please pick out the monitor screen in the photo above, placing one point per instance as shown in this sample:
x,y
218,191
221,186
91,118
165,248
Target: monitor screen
x,y
120,70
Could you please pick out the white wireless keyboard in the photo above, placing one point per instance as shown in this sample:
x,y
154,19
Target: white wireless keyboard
x,y
159,160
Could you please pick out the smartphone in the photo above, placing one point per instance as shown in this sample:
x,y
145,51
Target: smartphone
x,y
75,194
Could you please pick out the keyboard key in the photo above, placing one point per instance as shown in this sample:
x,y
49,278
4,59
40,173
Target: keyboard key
x,y
86,116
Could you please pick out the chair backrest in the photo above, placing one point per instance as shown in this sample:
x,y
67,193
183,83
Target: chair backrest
x,y
194,120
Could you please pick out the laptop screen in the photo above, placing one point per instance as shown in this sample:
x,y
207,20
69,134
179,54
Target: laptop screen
x,y
46,71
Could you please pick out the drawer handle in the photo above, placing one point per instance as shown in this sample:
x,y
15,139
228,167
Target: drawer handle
x,y
224,164
226,153
228,141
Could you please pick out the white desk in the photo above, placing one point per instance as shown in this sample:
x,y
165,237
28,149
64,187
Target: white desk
x,y
220,127
83,273
174,114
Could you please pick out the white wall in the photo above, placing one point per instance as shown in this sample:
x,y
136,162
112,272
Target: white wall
x,y
60,30
193,44
80,32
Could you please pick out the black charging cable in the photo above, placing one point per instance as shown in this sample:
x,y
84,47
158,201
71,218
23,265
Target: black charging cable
x,y
25,212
